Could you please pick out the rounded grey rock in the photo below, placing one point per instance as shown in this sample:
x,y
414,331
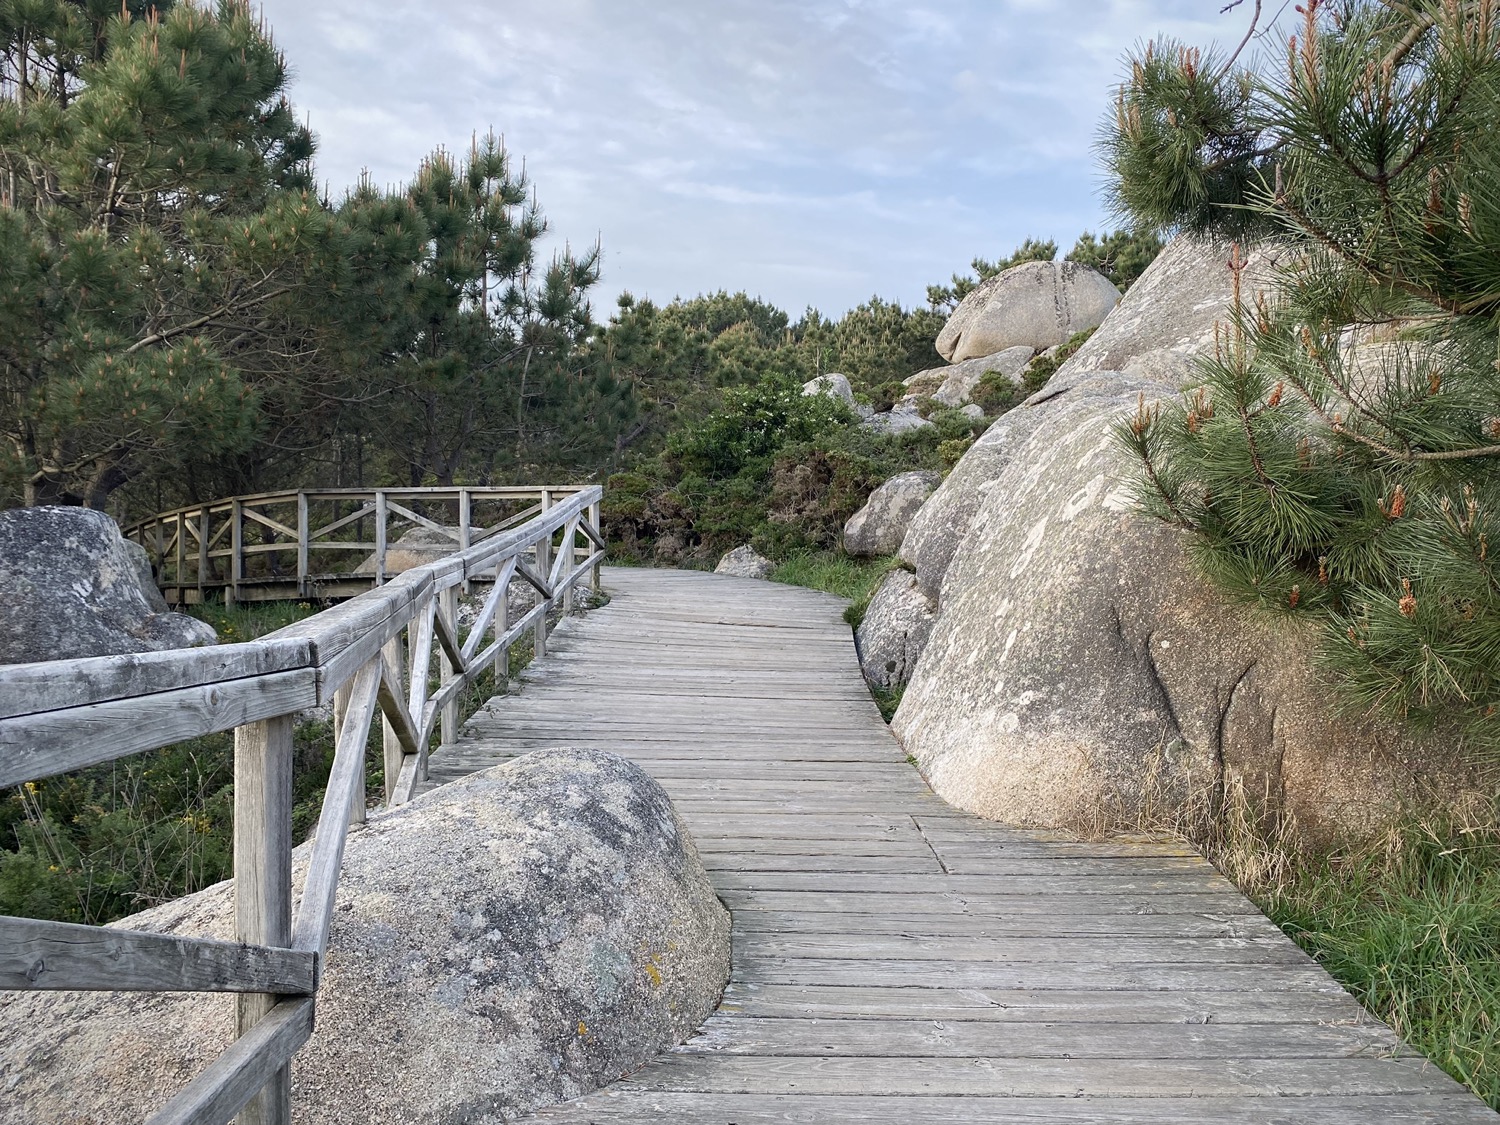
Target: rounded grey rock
x,y
71,586
745,562
1035,305
507,941
894,631
879,527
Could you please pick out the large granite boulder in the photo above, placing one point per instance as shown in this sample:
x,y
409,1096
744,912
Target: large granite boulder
x,y
745,562
1158,329
1034,305
1083,675
894,631
1166,321
507,941
941,524
879,527
72,586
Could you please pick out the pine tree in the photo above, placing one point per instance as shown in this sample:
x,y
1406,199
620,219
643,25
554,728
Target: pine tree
x,y
157,241
478,338
1339,460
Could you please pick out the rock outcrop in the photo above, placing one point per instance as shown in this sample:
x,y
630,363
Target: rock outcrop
x,y
901,419
879,527
1081,673
953,385
943,521
72,586
1160,327
745,562
833,385
1034,305
894,631
510,940
960,381
1166,320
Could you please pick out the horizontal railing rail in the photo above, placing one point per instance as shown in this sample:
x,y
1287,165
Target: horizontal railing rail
x,y
397,652
320,542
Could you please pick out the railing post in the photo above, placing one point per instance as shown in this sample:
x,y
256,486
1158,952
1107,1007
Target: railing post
x,y
394,656
502,623
159,563
205,524
180,578
381,512
594,521
304,584
236,550
263,880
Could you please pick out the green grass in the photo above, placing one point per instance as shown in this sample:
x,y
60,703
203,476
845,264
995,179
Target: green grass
x,y
1413,930
888,699
254,619
1409,924
836,573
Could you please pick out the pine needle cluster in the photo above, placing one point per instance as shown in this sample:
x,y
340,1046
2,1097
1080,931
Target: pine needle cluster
x,y
1340,457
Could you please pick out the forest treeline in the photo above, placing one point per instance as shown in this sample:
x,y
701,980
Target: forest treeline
x,y
184,315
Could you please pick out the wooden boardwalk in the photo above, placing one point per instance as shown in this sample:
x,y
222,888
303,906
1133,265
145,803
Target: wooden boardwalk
x,y
900,962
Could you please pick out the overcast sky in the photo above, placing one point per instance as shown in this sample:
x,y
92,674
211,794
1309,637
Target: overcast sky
x,y
812,152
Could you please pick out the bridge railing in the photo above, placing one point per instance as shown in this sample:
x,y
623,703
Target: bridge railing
x,y
318,543
397,652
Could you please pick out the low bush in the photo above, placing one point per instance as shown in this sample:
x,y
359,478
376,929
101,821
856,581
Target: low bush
x,y
792,471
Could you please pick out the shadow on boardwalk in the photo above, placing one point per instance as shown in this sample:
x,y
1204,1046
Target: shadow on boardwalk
x,y
898,961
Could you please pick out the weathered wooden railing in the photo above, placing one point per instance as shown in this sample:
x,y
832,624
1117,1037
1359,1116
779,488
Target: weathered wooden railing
x,y
321,542
373,654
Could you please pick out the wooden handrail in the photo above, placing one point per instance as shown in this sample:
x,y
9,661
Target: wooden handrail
x,y
289,544
369,656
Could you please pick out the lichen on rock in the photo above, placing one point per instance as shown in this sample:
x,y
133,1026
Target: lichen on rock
x,y
509,940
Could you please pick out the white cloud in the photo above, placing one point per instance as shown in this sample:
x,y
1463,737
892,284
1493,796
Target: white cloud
x,y
812,151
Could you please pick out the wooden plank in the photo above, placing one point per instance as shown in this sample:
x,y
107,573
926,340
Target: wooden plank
x,y
1002,923
232,1080
902,1002
989,905
1265,949
1104,974
898,886
59,955
263,884
1141,1078
1099,1039
37,746
629,1105
30,689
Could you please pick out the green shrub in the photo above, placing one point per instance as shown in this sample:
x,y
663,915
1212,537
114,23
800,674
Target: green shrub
x,y
754,423
952,450
799,473
995,393
1043,367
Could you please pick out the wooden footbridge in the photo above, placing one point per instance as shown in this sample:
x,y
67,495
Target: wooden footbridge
x,y
895,961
